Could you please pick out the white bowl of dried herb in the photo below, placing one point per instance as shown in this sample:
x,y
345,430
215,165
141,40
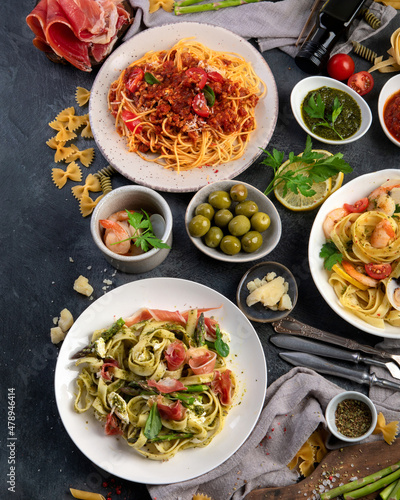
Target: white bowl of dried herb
x,y
351,416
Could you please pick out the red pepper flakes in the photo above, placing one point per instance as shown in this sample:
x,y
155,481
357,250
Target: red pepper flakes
x,y
105,484
269,437
284,429
273,428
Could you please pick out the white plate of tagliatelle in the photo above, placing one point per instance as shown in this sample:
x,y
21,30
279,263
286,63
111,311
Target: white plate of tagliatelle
x,y
135,405
361,222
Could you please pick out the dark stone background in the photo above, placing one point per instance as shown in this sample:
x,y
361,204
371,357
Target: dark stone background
x,y
42,229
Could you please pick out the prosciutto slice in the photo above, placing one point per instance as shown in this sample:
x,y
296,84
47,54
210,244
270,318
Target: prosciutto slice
x,y
167,385
77,30
222,385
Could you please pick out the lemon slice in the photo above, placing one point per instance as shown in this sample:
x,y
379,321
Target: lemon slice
x,y
337,181
298,202
341,272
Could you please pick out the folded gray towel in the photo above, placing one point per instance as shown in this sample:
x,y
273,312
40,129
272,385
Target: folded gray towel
x,y
272,24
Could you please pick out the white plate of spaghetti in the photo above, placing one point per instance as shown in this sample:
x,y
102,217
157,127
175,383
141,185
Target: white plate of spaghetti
x,y
355,287
121,453
178,106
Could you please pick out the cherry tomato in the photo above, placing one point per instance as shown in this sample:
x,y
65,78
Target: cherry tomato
x,y
214,76
361,82
130,122
358,207
134,78
340,67
199,105
198,75
378,271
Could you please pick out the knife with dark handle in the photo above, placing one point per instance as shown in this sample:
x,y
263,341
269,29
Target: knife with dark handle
x,y
320,365
292,326
301,344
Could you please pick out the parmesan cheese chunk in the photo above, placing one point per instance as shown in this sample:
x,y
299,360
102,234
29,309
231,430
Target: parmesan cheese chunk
x,y
57,335
66,320
271,291
268,294
82,286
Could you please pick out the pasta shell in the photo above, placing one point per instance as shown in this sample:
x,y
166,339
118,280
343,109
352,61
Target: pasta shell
x,y
82,96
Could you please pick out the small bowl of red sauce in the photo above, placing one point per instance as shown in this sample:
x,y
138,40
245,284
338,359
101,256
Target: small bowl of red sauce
x,y
389,109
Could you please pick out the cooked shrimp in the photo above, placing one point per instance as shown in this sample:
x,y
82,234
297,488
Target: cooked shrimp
x,y
357,275
383,234
333,218
384,198
114,236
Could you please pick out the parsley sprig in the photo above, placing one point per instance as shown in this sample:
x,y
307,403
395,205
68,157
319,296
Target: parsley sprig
x,y
144,236
314,167
330,254
315,108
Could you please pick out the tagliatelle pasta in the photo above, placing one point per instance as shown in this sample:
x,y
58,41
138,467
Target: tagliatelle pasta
x,y
159,379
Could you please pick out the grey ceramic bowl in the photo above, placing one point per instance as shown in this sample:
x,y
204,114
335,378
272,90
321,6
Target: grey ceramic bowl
x,y
132,197
271,236
258,312
331,409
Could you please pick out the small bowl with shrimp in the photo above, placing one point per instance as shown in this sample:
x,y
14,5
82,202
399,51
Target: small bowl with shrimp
x,y
132,227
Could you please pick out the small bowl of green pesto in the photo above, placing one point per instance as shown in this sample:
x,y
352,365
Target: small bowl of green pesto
x,y
329,110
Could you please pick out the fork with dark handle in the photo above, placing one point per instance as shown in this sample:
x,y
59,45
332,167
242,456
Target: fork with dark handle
x,y
295,327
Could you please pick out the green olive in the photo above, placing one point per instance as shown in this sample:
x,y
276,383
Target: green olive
x,y
238,192
219,199
230,245
205,209
247,208
223,217
214,236
199,226
239,225
260,221
251,241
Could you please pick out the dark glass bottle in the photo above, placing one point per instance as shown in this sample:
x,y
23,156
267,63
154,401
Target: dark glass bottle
x,y
333,19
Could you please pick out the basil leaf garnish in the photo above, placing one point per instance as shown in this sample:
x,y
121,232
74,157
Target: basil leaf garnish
x,y
153,423
150,79
209,95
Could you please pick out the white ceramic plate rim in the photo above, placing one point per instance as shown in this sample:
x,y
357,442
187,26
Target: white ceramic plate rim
x,y
391,87
114,455
349,193
303,87
113,147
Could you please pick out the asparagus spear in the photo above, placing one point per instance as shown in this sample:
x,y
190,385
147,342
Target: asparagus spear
x,y
395,492
170,437
200,331
187,2
370,488
107,335
385,493
187,9
367,480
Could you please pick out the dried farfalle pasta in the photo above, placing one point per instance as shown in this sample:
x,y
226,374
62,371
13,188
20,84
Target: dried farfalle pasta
x,y
307,455
64,115
167,5
201,496
75,122
86,495
92,183
60,176
87,205
64,134
87,130
85,156
62,151
82,96
317,440
389,431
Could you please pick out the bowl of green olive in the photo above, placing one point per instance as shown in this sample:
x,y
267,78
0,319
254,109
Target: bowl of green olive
x,y
233,221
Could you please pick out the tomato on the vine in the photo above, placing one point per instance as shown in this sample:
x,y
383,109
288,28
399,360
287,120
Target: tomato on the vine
x,y
358,207
340,67
361,82
378,271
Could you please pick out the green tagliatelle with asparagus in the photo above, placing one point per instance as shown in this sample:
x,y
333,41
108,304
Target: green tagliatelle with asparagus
x,y
160,379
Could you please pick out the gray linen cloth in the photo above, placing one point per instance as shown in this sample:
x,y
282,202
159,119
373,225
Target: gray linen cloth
x,y
295,406
272,24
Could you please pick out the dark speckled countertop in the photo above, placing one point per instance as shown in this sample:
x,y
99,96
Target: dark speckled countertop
x,y
46,245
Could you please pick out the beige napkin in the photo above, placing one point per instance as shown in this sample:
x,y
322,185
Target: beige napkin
x,y
272,24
